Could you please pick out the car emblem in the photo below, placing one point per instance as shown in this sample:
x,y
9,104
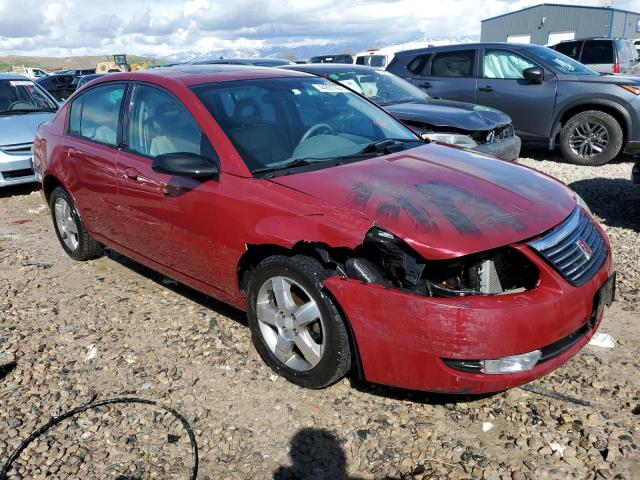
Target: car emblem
x,y
491,137
585,249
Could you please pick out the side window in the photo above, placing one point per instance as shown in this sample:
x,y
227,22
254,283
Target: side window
x,y
75,110
418,65
453,64
504,64
570,49
100,112
160,124
597,51
360,61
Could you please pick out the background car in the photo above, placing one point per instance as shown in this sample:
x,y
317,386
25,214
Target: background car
x,y
258,62
350,243
340,58
23,106
604,55
59,86
550,97
80,81
472,126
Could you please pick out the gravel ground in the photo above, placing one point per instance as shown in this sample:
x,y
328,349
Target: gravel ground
x,y
110,328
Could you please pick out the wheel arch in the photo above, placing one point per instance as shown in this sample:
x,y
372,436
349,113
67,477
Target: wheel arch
x,y
49,183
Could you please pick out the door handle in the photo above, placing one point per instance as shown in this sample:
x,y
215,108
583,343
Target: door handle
x,y
486,89
72,152
425,85
131,173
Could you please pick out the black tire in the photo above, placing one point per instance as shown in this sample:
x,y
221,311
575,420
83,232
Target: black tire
x,y
87,248
336,359
614,133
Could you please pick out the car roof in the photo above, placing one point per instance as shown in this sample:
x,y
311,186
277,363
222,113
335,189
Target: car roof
x,y
324,68
461,46
12,76
198,74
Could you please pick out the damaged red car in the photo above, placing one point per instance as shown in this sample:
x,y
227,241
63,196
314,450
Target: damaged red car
x,y
352,245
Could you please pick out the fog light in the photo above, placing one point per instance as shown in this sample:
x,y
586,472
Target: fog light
x,y
513,364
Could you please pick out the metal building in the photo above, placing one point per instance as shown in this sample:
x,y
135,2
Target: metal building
x,y
549,23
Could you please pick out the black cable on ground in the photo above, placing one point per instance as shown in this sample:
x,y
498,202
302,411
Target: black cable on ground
x,y
94,404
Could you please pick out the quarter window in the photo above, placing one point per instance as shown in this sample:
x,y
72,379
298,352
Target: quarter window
x,y
504,64
453,64
160,124
100,109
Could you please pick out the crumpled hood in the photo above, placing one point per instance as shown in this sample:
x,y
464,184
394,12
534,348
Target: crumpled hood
x,y
447,113
21,128
444,201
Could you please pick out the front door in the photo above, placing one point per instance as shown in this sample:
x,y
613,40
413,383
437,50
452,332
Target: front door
x,y
170,220
502,86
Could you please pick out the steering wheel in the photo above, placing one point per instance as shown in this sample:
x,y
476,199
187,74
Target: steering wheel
x,y
19,105
318,127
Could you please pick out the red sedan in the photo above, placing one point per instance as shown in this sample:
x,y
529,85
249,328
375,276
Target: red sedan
x,y
351,244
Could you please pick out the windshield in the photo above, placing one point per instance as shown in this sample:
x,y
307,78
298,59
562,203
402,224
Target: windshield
x,y
561,62
284,122
20,96
384,88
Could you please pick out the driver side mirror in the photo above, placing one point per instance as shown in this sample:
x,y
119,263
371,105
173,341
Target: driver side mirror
x,y
184,164
534,75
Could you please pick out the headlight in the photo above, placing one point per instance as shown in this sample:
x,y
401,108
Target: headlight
x,y
452,138
581,203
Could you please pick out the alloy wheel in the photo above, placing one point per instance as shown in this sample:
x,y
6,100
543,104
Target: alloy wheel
x,y
67,226
588,139
291,323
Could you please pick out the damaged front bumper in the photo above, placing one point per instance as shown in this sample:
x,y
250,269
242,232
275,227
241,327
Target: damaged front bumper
x,y
507,149
416,342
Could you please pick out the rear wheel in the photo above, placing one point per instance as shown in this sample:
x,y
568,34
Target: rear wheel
x,y
295,327
591,138
70,228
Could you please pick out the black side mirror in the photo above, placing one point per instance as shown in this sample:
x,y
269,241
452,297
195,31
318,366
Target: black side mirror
x,y
533,74
184,164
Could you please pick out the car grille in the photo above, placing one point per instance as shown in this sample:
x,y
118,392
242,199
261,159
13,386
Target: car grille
x,y
575,249
19,149
25,172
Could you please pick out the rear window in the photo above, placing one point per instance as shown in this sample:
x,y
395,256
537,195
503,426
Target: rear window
x,y
570,49
597,51
418,65
453,64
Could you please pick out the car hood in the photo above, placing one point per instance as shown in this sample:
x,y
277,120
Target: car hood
x,y
442,200
446,113
21,128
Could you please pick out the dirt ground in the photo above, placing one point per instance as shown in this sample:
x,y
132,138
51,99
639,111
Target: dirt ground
x,y
112,328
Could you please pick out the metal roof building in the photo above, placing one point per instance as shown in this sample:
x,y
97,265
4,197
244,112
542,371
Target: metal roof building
x,y
550,23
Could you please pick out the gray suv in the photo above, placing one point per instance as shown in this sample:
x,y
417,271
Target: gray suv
x,y
550,97
604,55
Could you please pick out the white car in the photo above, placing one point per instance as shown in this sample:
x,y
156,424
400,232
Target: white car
x,y
30,73
376,57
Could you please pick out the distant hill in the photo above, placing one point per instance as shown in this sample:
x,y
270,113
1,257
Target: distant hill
x,y
65,63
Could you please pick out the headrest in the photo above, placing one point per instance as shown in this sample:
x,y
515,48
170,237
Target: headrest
x,y
247,112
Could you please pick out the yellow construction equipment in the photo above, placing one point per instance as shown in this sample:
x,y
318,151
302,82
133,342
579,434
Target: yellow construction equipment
x,y
116,63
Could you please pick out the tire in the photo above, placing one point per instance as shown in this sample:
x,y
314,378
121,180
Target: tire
x,y
587,132
283,340
70,228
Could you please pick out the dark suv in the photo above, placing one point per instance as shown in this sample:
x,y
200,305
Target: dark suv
x,y
550,97
605,55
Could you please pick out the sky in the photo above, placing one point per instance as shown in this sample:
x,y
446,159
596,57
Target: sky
x,y
175,28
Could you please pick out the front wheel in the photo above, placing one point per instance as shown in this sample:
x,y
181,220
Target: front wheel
x,y
591,138
295,327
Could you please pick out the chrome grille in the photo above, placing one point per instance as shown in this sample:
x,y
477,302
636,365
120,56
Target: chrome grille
x,y
575,249
20,149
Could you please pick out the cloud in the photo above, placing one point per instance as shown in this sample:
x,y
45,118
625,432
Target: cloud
x,y
184,28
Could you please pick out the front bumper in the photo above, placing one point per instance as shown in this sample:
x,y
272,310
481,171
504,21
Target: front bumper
x,y
15,170
404,339
508,149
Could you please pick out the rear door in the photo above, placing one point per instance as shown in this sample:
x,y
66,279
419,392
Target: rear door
x,y
451,75
171,220
91,149
503,87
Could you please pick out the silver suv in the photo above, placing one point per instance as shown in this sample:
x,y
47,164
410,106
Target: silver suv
x,y
604,55
23,106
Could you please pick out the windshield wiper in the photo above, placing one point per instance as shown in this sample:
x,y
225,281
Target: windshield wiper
x,y
383,145
298,162
26,110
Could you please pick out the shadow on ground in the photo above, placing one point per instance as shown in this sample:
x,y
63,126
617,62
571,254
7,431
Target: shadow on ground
x,y
315,454
16,190
615,200
541,152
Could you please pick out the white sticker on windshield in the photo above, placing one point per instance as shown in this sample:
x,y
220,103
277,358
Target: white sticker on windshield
x,y
20,83
329,88
352,84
